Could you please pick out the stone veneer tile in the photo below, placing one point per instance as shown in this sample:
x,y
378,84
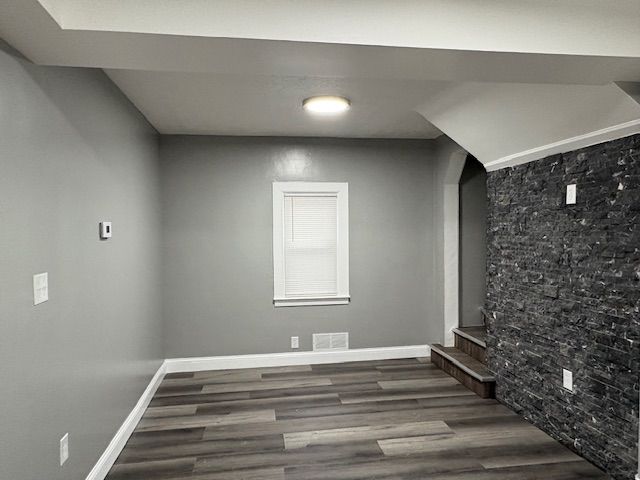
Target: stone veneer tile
x,y
563,291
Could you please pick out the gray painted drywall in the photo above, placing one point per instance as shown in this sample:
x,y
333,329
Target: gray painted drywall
x,y
473,242
447,155
217,252
73,152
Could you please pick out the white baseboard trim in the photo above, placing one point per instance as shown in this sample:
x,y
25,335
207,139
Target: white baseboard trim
x,y
567,145
230,362
119,440
173,365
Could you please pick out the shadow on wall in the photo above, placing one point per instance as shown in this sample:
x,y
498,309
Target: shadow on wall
x,y
473,242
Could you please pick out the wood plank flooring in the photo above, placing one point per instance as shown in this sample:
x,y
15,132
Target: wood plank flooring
x,y
395,419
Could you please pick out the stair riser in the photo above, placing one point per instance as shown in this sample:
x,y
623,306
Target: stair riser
x,y
470,348
483,389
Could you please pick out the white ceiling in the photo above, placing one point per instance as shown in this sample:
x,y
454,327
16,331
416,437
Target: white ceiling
x,y
501,77
551,112
204,103
632,89
575,27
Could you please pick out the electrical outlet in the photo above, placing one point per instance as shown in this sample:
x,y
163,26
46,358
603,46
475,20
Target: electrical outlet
x,y
64,449
567,379
40,288
295,342
571,194
105,230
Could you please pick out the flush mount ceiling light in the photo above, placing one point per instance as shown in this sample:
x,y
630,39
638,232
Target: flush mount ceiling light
x,y
326,105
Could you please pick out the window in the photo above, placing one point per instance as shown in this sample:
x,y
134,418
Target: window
x,y
310,243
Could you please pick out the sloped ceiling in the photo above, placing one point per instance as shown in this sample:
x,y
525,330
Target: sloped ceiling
x,y
509,80
520,116
632,89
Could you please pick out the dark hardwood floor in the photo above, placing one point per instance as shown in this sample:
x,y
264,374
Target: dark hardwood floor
x,y
396,419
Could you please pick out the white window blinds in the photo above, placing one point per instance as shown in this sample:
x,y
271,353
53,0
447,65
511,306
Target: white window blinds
x,y
310,242
310,247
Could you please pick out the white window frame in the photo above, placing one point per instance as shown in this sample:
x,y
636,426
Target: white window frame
x,y
341,191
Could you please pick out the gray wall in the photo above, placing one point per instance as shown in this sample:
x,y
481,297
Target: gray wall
x,y
446,155
73,152
217,224
473,242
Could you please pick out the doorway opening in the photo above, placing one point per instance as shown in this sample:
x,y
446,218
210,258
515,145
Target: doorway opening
x,y
472,242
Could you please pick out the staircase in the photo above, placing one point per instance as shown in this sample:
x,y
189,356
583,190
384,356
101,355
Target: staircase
x,y
467,361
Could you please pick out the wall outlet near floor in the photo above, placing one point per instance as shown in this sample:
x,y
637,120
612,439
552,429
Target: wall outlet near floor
x,y
105,230
295,342
40,288
64,449
567,379
571,194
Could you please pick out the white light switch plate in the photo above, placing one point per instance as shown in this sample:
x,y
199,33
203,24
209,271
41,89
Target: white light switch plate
x,y
571,194
567,379
40,288
295,342
64,449
106,230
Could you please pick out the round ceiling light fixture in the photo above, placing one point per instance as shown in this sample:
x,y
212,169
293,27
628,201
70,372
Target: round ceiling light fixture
x,y
326,105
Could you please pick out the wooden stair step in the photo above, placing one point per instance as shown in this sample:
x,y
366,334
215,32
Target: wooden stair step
x,y
471,340
465,362
477,335
472,373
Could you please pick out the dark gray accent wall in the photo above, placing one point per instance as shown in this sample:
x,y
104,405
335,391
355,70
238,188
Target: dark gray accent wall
x,y
217,221
563,291
473,242
73,152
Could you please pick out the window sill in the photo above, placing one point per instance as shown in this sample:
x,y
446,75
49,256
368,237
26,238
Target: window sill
x,y
307,302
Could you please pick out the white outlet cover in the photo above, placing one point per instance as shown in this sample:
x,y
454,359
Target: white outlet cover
x,y
567,379
295,342
64,449
40,288
106,230
571,194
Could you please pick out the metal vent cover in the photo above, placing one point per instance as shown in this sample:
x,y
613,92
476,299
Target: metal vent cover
x,y
330,341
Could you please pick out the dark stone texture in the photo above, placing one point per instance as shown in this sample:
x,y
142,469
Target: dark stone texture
x,y
563,291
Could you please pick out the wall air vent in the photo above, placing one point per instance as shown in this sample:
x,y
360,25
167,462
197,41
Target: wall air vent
x,y
330,341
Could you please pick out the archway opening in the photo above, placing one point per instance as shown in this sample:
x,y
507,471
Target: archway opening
x,y
472,242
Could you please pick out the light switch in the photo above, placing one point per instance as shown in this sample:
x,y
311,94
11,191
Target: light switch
x,y
567,379
40,288
571,194
105,230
